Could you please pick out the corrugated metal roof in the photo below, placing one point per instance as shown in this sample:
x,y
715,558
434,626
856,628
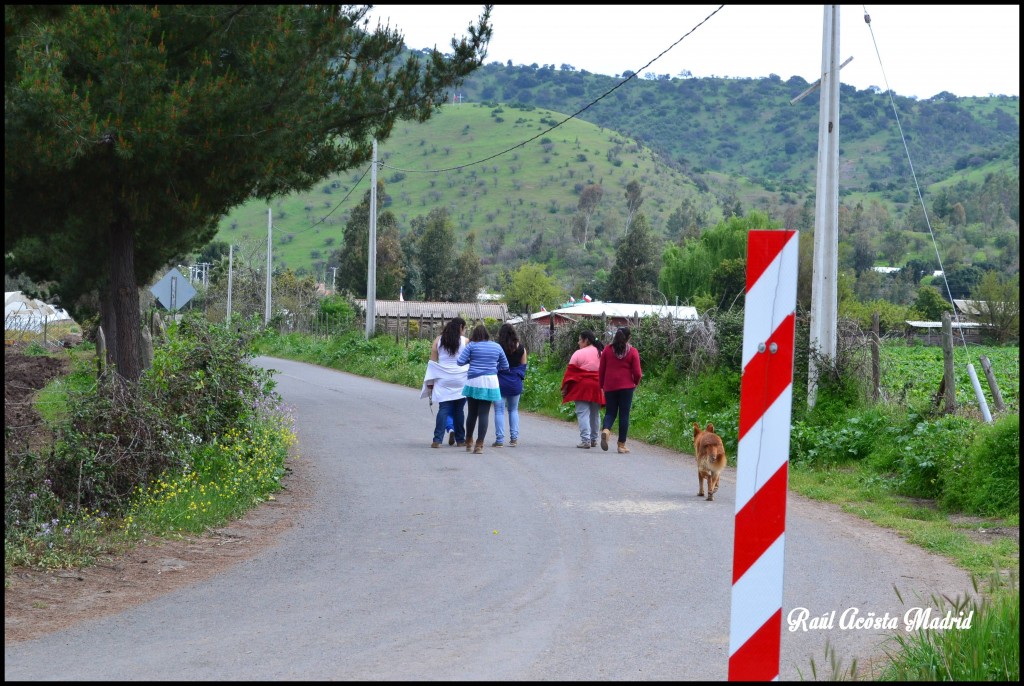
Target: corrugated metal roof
x,y
598,308
471,311
938,325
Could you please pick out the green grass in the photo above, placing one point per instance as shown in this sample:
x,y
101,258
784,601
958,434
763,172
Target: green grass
x,y
239,471
860,491
987,651
912,374
51,401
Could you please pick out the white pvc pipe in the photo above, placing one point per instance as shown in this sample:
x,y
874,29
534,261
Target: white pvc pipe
x,y
982,403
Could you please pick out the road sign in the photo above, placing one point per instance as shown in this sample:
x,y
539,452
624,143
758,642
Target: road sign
x,y
173,291
762,461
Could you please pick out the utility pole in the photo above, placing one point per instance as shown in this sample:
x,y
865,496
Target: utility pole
x,y
334,280
231,265
371,267
824,303
266,309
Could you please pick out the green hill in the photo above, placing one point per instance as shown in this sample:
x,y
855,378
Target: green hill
x,y
719,145
518,198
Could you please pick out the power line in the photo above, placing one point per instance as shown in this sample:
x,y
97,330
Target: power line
x,y
340,203
913,173
571,116
518,145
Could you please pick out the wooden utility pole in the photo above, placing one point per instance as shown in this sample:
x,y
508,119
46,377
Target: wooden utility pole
x,y
997,397
948,380
876,363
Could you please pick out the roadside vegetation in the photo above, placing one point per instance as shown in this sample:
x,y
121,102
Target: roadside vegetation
x,y
198,441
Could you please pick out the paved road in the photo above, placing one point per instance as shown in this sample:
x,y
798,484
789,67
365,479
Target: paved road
x,y
542,562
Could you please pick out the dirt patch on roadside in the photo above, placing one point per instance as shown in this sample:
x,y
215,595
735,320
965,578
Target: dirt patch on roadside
x,y
40,602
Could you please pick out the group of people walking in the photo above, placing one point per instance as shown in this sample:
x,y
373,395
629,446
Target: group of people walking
x,y
602,376
466,376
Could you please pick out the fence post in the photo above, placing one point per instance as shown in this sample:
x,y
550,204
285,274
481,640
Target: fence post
x,y
948,380
997,397
101,352
876,369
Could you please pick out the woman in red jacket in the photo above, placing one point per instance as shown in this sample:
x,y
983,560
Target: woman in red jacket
x,y
619,374
580,384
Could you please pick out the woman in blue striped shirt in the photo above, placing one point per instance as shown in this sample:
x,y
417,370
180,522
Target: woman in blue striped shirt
x,y
485,358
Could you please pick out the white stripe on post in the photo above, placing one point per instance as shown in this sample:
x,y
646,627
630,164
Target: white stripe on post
x,y
766,399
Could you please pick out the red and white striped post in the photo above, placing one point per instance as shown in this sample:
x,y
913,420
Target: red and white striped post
x,y
766,400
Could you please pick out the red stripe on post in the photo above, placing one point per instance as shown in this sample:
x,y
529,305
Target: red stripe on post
x,y
761,252
760,523
758,658
766,376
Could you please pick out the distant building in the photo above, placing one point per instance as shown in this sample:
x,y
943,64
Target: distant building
x,y
930,333
486,297
472,312
970,310
616,314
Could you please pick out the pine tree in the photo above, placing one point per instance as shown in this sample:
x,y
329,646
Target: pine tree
x,y
436,256
353,258
470,274
634,276
130,130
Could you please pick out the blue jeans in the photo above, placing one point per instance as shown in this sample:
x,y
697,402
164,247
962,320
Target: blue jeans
x,y
456,410
618,403
511,402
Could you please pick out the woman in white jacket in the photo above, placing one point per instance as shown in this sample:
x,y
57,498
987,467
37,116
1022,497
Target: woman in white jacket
x,y
445,379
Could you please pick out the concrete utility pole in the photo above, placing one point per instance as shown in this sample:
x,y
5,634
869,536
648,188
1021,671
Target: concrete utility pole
x,y
824,304
334,279
231,265
266,309
371,266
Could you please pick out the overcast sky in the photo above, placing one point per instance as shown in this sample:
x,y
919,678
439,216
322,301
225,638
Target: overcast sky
x,y
914,50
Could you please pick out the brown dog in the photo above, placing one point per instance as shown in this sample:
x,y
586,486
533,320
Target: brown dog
x,y
710,452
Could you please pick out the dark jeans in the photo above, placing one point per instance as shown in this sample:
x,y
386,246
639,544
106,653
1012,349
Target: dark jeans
x,y
456,409
618,403
477,414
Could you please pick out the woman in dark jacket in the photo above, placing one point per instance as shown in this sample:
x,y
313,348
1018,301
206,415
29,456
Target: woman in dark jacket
x,y
510,382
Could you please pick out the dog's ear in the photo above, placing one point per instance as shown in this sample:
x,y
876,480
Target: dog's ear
x,y
696,429
710,428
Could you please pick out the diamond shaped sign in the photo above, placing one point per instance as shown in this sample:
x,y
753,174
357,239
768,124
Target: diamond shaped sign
x,y
173,291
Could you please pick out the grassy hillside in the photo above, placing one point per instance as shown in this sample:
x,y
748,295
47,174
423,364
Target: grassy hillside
x,y
515,184
518,198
